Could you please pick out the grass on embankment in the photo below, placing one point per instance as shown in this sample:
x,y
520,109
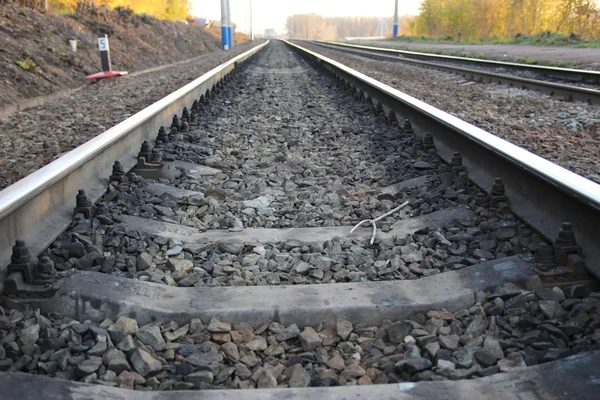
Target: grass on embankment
x,y
541,39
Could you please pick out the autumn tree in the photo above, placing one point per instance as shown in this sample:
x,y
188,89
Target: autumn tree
x,y
505,19
163,9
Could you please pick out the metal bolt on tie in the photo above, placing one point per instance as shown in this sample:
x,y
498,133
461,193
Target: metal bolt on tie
x,y
184,126
162,136
45,268
544,257
118,173
83,205
373,222
428,143
175,123
133,178
145,150
392,119
156,157
407,127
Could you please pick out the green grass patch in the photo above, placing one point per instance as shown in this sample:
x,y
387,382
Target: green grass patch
x,y
547,38
27,64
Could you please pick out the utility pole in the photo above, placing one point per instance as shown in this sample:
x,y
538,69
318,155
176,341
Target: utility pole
x,y
395,32
251,32
229,25
224,25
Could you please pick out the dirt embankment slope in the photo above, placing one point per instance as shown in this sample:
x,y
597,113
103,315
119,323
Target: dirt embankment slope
x,y
36,57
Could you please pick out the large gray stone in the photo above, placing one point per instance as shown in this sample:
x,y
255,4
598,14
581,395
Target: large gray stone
x,y
145,364
344,329
299,378
200,377
413,365
218,326
398,330
151,336
115,360
310,339
143,261
123,327
29,335
88,366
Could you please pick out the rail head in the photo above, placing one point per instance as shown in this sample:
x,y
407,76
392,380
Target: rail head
x,y
12,197
542,194
38,208
589,74
555,89
573,184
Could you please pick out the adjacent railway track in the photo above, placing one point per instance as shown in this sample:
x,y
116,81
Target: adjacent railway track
x,y
219,256
558,82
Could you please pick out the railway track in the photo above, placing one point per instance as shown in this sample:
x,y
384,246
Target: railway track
x,y
219,255
558,82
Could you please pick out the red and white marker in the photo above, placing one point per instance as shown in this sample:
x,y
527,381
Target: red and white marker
x,y
107,71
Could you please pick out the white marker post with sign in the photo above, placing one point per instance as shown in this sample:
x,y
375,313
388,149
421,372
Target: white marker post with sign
x,y
105,60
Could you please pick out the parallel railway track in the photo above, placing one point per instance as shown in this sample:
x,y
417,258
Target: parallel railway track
x,y
224,259
558,82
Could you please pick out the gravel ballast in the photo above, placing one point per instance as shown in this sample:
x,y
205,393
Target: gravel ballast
x,y
505,331
286,165
33,138
292,150
567,133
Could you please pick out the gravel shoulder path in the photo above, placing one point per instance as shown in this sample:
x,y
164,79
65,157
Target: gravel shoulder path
x,y
509,51
565,133
35,137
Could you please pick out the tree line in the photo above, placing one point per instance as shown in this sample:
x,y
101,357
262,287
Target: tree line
x,y
313,26
506,19
162,9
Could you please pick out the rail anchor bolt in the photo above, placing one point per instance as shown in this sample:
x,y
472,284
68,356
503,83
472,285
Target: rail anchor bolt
x,y
46,270
175,123
498,198
184,125
566,244
392,119
145,151
458,169
162,137
481,200
83,205
118,173
428,144
407,128
21,261
544,257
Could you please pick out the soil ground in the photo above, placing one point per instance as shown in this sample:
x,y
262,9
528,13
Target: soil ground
x,y
36,58
509,51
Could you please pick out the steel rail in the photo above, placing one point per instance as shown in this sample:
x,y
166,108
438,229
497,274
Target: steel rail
x,y
542,193
572,74
40,206
568,92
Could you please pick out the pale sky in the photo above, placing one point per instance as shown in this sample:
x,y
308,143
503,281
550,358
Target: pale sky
x,y
273,13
